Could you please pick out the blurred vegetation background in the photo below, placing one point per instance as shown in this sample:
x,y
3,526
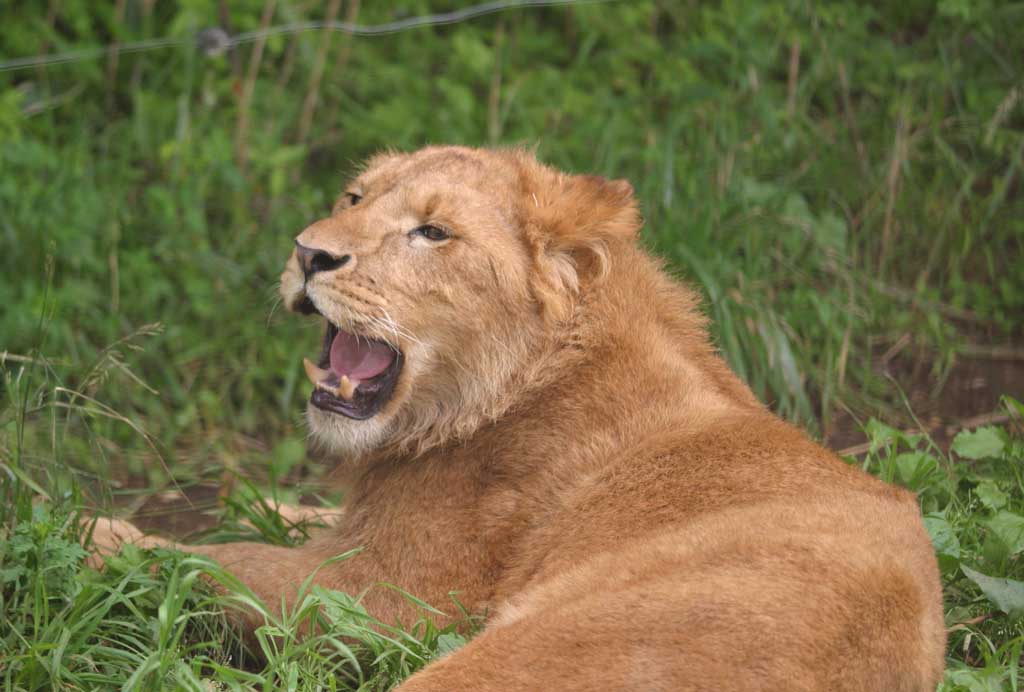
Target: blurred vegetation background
x,y
842,180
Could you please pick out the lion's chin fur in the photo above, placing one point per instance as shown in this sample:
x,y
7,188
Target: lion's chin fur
x,y
343,438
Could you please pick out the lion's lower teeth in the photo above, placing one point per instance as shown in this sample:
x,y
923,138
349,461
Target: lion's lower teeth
x,y
346,388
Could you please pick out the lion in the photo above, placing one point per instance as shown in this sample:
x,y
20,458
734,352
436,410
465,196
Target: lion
x,y
528,410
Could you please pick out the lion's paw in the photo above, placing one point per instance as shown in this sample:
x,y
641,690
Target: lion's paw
x,y
108,535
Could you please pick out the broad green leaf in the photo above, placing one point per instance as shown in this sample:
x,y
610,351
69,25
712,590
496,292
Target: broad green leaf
x,y
449,642
944,539
1009,527
990,495
972,680
1006,594
882,435
916,469
980,444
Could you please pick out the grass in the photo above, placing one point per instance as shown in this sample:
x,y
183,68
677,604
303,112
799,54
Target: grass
x,y
841,180
147,620
972,499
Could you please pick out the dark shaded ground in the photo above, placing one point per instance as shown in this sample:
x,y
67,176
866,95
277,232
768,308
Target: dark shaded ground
x,y
969,397
182,514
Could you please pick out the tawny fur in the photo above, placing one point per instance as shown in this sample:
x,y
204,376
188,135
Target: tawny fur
x,y
566,450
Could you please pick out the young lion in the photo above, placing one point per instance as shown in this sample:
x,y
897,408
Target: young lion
x,y
528,410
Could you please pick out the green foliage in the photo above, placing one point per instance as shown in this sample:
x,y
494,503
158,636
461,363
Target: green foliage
x,y
983,443
149,620
833,176
142,620
1006,594
973,504
248,515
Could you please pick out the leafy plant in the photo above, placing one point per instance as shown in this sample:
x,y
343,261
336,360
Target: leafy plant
x,y
973,504
150,620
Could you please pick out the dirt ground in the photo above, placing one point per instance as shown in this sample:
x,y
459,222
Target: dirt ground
x,y
968,398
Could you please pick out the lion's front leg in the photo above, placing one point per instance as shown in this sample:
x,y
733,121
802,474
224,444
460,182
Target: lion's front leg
x,y
109,535
269,571
274,574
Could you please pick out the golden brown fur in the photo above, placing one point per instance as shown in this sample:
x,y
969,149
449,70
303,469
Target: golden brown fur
x,y
566,449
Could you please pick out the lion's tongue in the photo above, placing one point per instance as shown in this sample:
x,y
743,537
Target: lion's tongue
x,y
359,358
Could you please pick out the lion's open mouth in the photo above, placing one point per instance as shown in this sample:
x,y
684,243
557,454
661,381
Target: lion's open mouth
x,y
355,376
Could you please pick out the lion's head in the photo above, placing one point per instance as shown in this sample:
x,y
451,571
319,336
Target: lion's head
x,y
444,277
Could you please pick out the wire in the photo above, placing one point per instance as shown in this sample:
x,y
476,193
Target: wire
x,y
87,53
215,41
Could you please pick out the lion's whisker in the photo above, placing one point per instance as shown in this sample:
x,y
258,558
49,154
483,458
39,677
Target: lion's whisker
x,y
399,329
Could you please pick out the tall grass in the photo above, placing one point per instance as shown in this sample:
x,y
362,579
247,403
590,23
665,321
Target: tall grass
x,y
834,178
160,619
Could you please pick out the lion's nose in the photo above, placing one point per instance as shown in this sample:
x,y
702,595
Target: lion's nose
x,y
313,260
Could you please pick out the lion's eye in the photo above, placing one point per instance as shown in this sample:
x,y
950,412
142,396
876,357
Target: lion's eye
x,y
352,198
434,233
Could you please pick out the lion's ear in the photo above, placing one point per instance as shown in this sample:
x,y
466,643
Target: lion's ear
x,y
572,220
578,209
